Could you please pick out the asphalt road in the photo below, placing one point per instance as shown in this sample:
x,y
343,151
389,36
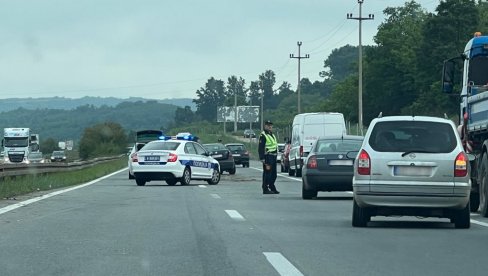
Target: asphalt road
x,y
113,227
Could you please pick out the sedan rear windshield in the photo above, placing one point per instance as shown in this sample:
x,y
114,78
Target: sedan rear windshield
x,y
405,136
161,146
236,147
214,147
339,145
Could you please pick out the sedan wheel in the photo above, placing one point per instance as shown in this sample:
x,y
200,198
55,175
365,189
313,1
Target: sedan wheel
x,y
186,178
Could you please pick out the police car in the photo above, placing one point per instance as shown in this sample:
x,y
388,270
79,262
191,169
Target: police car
x,y
174,159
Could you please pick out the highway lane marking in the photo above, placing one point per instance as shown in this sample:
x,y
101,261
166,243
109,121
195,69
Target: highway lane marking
x,y
46,196
479,223
216,196
234,215
474,215
281,264
202,186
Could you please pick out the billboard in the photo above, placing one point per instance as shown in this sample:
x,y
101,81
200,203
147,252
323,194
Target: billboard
x,y
245,114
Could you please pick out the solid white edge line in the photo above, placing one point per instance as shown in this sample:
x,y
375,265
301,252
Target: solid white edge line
x,y
216,196
281,264
479,223
234,215
36,199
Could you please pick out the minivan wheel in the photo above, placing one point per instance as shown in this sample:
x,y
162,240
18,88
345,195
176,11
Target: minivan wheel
x,y
474,201
483,187
360,216
462,219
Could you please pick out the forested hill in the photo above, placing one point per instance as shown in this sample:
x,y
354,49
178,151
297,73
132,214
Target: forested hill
x,y
69,124
69,103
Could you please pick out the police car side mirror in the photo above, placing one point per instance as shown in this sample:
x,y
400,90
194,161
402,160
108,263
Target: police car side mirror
x,y
206,153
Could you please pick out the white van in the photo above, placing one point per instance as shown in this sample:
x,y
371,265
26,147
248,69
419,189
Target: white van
x,y
308,127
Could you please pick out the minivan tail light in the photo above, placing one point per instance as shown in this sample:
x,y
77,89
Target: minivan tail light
x,y
364,163
312,162
461,165
172,157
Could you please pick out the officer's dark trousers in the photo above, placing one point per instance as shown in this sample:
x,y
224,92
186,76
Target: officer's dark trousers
x,y
269,176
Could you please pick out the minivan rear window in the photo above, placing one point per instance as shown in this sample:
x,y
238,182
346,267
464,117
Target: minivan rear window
x,y
404,136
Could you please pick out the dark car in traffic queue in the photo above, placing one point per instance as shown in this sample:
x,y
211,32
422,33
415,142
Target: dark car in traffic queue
x,y
58,156
223,155
330,165
249,133
240,153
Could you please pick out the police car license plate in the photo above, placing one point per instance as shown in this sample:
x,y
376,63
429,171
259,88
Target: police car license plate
x,y
151,158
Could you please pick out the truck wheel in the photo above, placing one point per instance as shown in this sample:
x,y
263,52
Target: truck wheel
x,y
474,201
483,187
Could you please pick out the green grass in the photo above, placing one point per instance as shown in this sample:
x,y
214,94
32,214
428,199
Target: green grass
x,y
19,185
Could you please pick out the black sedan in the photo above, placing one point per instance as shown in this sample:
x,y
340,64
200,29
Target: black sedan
x,y
330,165
222,154
240,153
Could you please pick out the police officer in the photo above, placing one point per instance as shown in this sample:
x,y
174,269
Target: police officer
x,y
268,151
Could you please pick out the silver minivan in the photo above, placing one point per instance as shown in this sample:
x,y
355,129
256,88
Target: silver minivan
x,y
411,166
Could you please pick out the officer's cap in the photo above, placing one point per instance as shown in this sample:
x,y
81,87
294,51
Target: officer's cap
x,y
268,122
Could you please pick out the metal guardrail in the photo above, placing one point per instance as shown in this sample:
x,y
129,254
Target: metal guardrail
x,y
10,169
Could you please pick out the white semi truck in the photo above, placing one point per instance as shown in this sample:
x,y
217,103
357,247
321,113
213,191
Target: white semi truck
x,y
34,143
16,144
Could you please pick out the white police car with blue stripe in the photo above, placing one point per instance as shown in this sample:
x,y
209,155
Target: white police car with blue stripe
x,y
174,159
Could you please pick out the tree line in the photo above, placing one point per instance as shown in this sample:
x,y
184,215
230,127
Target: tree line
x,y
401,71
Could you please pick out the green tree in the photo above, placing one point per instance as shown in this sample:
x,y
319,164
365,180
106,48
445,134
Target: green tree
x,y
267,80
48,145
236,86
103,140
184,115
209,98
340,63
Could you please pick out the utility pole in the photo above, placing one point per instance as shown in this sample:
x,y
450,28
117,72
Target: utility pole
x,y
360,96
235,109
262,108
299,57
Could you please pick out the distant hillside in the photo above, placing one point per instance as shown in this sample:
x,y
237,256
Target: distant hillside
x,y
70,124
68,103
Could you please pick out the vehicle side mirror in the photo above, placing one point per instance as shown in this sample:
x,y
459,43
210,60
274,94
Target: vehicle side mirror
x,y
448,76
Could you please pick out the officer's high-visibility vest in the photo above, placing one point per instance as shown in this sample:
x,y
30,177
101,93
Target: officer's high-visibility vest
x,y
271,143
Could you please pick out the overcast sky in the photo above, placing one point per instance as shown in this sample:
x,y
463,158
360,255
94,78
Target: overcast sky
x,y
168,49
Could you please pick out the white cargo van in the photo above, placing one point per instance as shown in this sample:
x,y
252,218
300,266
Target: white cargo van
x,y
308,127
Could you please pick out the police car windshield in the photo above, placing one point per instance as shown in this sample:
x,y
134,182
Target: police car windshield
x,y
169,145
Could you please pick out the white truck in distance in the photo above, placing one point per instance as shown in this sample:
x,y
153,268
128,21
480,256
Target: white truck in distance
x,y
16,144
34,143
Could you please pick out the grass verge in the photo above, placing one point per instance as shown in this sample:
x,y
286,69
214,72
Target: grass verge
x,y
18,185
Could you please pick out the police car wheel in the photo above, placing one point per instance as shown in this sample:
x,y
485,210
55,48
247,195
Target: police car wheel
x,y
215,177
186,178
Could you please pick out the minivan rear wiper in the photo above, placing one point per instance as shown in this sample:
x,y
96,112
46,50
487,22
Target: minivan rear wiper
x,y
417,151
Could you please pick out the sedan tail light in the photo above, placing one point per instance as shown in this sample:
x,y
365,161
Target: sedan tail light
x,y
461,165
172,157
246,153
133,157
312,162
364,163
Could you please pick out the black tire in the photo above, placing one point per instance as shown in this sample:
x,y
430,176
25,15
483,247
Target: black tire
x,y
233,171
281,168
186,178
308,194
140,182
291,172
298,172
462,218
215,178
474,201
483,187
360,216
171,182
246,165
131,176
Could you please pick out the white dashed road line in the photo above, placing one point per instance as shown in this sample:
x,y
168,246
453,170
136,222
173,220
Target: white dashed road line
x,y
216,196
32,200
202,186
281,264
235,215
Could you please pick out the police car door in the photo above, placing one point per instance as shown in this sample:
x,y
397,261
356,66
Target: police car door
x,y
195,159
205,159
